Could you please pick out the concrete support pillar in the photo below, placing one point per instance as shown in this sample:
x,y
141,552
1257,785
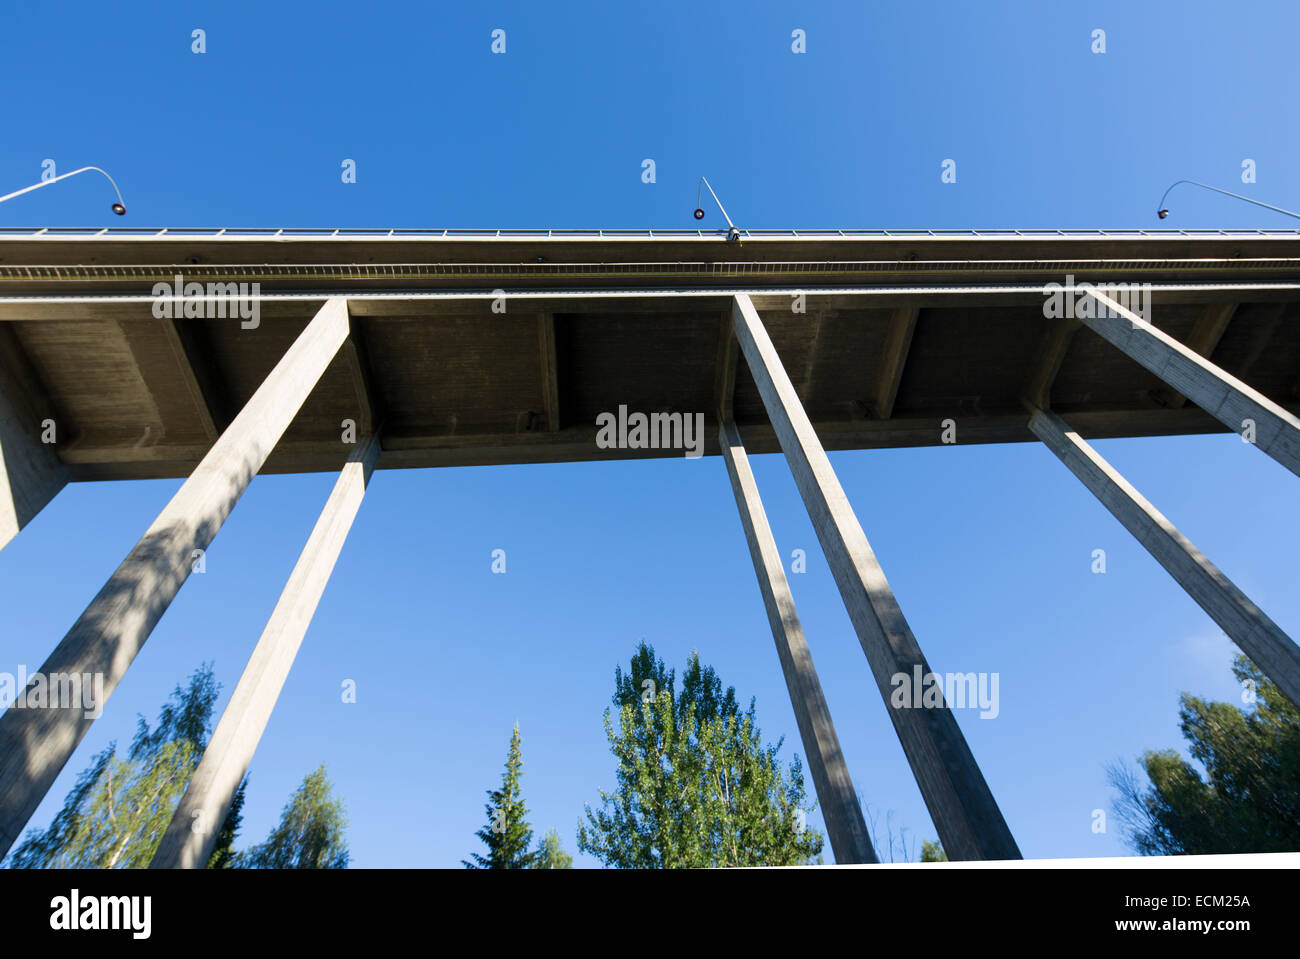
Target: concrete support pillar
x,y
968,820
838,800
189,839
1259,637
36,743
1189,374
30,471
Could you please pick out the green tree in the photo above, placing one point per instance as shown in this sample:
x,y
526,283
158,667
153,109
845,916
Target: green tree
x,y
508,833
116,813
223,852
933,852
1249,798
696,786
310,834
550,854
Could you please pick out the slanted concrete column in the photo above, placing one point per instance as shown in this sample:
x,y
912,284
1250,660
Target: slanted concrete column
x,y
1259,637
35,743
968,820
1224,397
189,839
838,800
30,471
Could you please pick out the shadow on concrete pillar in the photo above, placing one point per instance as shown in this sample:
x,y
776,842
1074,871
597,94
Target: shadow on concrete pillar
x,y
36,743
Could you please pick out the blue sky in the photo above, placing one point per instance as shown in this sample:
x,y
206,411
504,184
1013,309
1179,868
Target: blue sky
x,y
988,548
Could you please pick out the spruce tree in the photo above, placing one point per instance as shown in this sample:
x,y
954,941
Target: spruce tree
x,y
223,851
507,834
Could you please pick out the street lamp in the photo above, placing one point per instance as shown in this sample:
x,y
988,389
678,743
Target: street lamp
x,y
733,235
119,207
1163,212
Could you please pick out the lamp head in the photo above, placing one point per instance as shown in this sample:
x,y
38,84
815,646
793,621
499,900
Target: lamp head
x,y
699,214
1162,213
119,209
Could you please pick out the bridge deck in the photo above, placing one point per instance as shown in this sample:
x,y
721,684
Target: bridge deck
x,y
594,321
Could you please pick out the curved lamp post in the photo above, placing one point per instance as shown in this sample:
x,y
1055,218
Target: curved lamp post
x,y
1163,211
733,234
119,207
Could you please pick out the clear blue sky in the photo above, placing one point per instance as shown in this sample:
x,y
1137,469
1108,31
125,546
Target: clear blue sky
x,y
988,548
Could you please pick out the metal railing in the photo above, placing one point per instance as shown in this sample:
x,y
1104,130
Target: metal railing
x,y
353,233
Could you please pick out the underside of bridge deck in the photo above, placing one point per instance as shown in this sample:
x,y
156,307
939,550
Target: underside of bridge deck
x,y
504,349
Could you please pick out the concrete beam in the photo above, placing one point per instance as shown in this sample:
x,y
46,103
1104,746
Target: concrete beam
x,y
838,799
201,381
815,323
1055,343
724,381
188,841
36,743
1264,323
1209,329
31,473
1223,396
176,367
1245,623
550,372
898,343
968,820
370,410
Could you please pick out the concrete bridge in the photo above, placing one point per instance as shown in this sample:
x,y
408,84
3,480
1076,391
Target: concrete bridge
x,y
218,354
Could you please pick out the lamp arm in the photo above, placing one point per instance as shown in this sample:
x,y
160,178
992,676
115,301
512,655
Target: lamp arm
x,y
119,206
1238,196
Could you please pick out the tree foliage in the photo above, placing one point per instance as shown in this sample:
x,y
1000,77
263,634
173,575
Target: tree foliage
x,y
310,834
118,809
223,851
116,813
1249,798
696,786
550,853
933,852
508,833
